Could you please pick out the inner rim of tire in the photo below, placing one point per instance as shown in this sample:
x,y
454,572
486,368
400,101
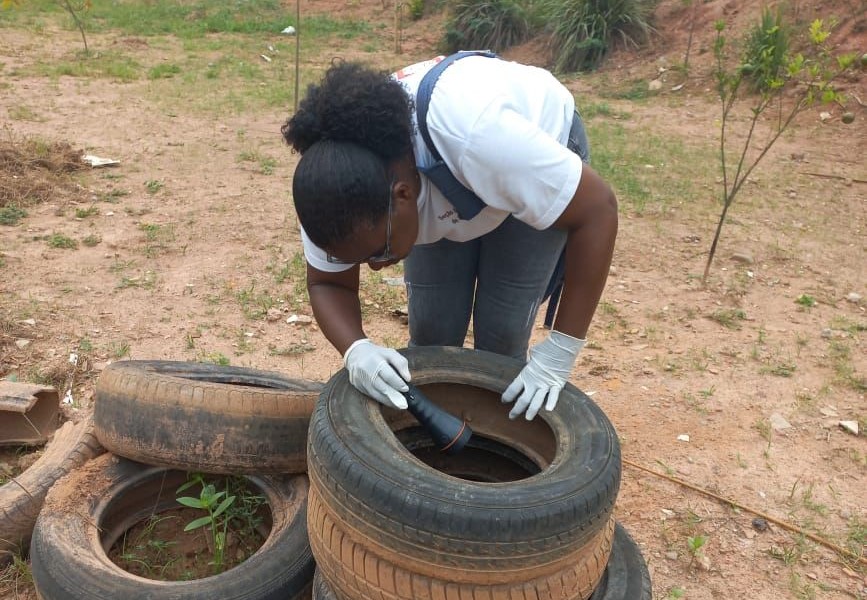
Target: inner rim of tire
x,y
151,493
482,460
500,450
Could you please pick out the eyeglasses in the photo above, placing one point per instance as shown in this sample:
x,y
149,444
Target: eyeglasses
x,y
386,255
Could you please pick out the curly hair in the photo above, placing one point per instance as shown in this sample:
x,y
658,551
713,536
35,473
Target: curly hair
x,y
348,129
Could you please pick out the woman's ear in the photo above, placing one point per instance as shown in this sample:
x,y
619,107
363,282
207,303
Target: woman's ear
x,y
406,190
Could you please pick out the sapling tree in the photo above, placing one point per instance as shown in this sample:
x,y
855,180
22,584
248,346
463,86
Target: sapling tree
x,y
777,85
75,10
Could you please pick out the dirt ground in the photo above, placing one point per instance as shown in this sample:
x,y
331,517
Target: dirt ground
x,y
727,398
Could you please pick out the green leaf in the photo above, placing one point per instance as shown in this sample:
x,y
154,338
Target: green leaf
x,y
191,502
223,506
194,479
201,522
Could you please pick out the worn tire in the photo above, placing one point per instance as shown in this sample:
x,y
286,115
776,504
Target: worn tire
x,y
21,499
91,508
626,577
382,523
203,417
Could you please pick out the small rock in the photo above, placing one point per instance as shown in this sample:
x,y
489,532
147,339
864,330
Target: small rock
x,y
30,322
671,555
779,422
827,334
749,534
853,298
813,576
683,437
300,319
760,524
655,85
703,561
22,343
743,257
845,514
393,281
828,411
273,314
850,426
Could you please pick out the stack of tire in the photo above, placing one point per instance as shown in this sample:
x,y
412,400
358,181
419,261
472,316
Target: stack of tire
x,y
524,511
160,420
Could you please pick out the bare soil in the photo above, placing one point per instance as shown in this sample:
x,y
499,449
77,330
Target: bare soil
x,y
727,397
159,548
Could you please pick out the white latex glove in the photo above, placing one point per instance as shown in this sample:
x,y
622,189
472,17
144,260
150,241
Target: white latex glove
x,y
377,372
544,375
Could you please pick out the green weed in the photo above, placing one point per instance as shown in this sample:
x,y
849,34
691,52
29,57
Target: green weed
x,y
583,32
58,240
266,163
153,186
217,358
10,215
163,71
91,240
729,318
83,213
493,24
806,301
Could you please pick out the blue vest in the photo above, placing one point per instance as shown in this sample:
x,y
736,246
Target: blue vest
x,y
467,204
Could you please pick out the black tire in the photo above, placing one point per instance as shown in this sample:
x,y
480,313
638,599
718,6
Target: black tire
x,y
91,508
439,526
203,417
21,499
626,577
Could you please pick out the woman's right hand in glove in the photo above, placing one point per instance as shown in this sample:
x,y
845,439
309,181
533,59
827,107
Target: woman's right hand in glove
x,y
379,372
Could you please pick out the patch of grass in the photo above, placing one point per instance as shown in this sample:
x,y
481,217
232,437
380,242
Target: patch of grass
x,y
158,237
805,300
292,350
856,535
163,71
145,281
493,24
83,213
780,369
840,355
119,349
107,65
293,271
91,240
60,241
217,358
255,304
584,32
265,163
730,318
10,215
153,186
112,196
15,576
649,171
20,112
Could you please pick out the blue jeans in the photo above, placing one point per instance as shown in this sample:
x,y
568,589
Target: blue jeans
x,y
499,278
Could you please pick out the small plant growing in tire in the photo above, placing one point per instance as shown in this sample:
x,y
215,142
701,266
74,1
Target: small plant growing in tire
x,y
216,505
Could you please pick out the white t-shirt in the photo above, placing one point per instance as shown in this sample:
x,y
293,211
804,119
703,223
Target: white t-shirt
x,y
502,128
